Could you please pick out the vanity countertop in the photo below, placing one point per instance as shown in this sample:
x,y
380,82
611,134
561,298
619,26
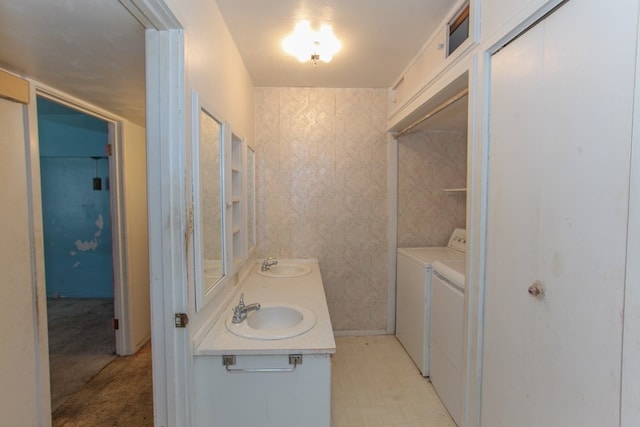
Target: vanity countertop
x,y
304,290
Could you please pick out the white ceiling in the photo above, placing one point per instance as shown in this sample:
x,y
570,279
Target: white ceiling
x,y
379,38
94,49
91,49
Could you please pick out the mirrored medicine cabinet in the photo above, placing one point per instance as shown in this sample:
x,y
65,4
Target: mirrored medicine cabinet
x,y
223,188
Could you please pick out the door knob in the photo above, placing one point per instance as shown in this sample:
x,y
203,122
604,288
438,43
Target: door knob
x,y
536,290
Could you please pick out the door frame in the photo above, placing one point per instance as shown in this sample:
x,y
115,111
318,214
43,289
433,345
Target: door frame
x,y
166,186
32,149
629,410
116,202
477,203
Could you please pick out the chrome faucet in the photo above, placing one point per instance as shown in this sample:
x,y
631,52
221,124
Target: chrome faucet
x,y
240,311
268,262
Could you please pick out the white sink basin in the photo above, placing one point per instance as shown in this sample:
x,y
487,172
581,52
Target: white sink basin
x,y
274,322
286,270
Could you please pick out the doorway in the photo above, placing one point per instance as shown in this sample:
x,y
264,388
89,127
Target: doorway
x,y
78,251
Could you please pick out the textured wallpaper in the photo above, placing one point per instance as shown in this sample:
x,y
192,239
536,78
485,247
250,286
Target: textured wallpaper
x,y
429,161
322,192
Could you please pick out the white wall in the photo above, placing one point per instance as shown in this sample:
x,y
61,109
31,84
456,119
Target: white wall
x,y
214,67
215,70
19,355
135,207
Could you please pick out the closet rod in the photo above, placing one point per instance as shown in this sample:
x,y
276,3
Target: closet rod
x,y
433,112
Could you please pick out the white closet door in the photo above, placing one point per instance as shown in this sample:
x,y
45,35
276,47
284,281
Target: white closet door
x,y
560,138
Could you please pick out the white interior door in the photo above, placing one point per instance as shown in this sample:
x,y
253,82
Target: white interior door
x,y
560,138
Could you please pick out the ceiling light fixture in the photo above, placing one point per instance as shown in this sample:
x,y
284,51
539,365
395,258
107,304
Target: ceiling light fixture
x,y
308,45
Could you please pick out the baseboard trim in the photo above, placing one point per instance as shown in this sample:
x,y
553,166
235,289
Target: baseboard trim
x,y
359,333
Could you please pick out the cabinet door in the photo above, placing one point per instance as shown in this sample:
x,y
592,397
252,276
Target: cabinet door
x,y
560,138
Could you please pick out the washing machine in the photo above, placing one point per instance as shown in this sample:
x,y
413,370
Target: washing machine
x,y
413,294
447,333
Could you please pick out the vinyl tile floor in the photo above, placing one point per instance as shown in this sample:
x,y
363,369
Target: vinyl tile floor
x,y
375,383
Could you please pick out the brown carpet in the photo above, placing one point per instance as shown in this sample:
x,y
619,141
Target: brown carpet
x,y
120,395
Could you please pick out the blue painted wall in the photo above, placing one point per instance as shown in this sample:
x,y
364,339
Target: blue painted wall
x,y
76,219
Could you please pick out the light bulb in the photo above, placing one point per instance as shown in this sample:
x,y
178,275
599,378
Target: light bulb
x,y
304,43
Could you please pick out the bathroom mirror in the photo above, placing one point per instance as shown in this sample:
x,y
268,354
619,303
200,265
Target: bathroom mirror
x,y
207,203
251,198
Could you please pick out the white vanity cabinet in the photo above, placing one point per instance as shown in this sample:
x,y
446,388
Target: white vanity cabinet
x,y
248,397
265,384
